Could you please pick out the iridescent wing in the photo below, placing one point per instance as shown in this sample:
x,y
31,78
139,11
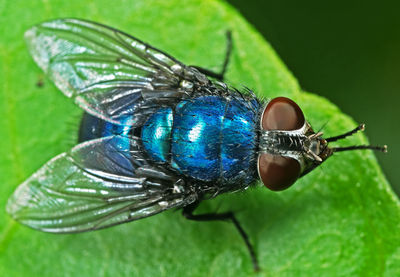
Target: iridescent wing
x,y
96,185
109,74
99,183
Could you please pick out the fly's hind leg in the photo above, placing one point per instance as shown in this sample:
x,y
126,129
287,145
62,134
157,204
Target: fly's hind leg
x,y
220,75
188,213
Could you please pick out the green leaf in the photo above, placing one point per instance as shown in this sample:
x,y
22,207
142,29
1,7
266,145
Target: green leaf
x,y
340,220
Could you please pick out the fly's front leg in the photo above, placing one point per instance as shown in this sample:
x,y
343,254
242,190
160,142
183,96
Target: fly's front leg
x,y
220,75
188,213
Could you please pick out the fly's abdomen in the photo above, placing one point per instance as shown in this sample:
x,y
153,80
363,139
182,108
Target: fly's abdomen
x,y
93,128
156,134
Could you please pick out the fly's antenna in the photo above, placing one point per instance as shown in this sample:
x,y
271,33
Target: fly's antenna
x,y
360,127
361,147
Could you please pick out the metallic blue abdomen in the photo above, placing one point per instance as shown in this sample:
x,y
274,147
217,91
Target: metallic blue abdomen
x,y
156,134
209,138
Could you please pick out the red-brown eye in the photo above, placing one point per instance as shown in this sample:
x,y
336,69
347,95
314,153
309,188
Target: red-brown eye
x,y
277,172
280,172
283,114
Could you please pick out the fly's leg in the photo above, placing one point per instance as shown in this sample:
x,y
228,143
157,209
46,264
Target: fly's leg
x,y
220,75
188,213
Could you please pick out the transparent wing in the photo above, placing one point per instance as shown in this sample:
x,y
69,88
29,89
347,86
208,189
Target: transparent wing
x,y
103,69
94,186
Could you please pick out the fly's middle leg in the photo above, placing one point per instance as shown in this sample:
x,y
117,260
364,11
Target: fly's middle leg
x,y
188,213
220,75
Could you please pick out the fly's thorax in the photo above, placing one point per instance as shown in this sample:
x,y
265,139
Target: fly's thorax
x,y
213,139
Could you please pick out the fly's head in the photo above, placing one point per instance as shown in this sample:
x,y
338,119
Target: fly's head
x,y
289,148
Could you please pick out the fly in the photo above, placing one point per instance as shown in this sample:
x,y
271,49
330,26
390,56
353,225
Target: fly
x,y
156,134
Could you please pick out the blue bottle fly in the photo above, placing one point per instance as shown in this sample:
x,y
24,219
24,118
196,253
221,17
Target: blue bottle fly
x,y
156,134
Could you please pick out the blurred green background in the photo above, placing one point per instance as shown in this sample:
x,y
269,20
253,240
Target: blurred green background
x,y
346,51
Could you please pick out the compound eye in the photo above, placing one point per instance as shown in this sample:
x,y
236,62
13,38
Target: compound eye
x,y
283,114
277,172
